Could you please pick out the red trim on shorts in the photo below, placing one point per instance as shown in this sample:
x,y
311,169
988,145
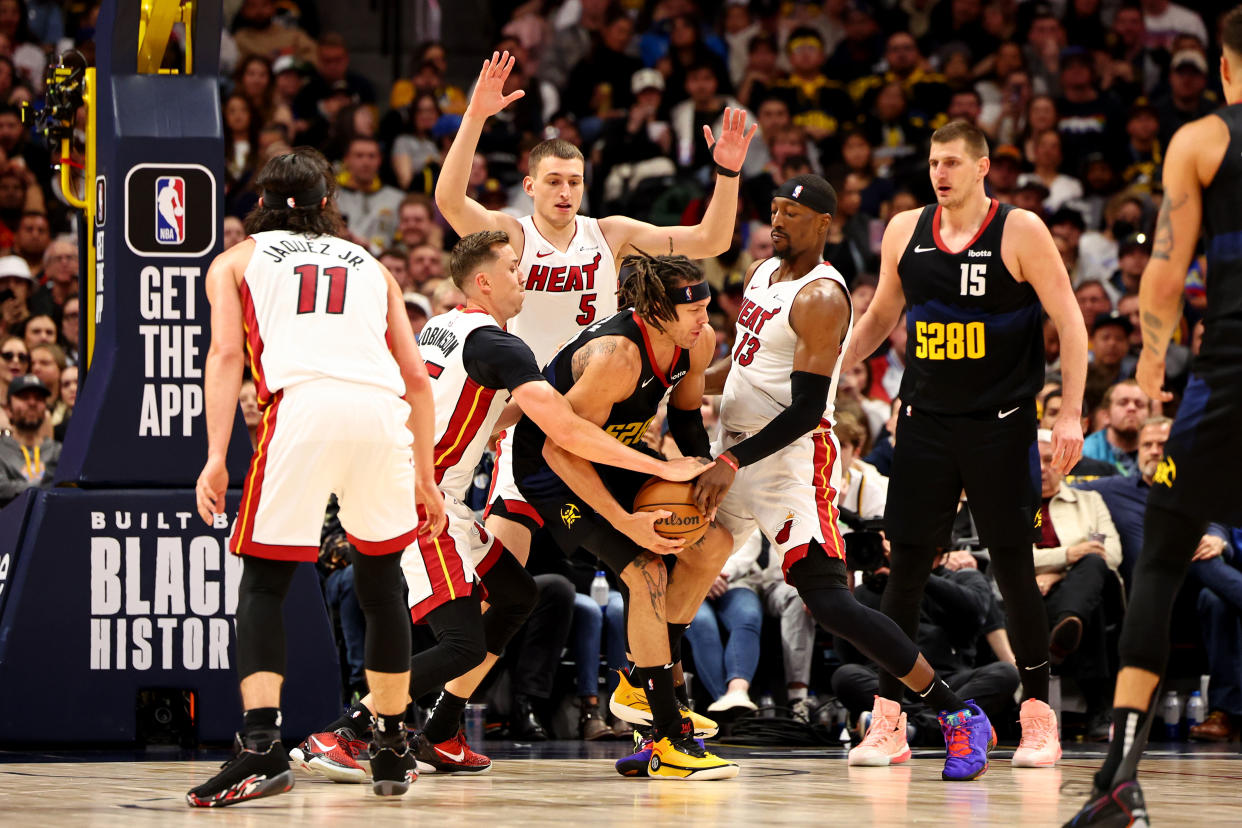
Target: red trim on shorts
x,y
661,373
489,560
944,247
491,489
793,556
825,459
243,542
472,408
384,547
521,507
444,573
254,346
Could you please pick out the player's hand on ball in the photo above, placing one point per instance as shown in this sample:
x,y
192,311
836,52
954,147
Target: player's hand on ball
x,y
431,509
489,93
730,151
640,528
1150,376
1066,443
209,491
711,487
685,468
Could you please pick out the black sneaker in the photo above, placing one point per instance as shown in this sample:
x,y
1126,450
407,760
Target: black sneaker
x,y
392,771
250,774
1122,807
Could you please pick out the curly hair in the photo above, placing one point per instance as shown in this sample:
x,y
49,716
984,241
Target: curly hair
x,y
650,280
295,172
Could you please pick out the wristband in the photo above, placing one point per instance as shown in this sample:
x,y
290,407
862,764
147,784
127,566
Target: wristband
x,y
729,462
726,172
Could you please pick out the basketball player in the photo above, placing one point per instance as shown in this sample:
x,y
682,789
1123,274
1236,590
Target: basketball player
x,y
475,365
569,262
615,374
778,454
313,312
1196,480
972,274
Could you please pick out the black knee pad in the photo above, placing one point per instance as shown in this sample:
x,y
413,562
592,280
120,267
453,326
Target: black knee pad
x,y
459,634
260,615
511,596
380,588
818,571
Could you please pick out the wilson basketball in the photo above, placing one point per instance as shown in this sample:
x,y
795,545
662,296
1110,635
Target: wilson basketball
x,y
686,520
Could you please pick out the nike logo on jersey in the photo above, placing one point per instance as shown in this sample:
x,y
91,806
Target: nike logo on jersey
x,y
1003,414
648,382
456,757
543,253
918,249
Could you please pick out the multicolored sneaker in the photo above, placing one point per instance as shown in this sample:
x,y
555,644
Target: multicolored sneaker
x,y
450,756
393,769
885,743
685,757
250,774
629,704
334,755
1040,746
1121,807
968,737
636,763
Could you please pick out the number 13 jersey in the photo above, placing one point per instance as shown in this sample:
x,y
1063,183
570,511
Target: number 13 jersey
x,y
315,307
974,334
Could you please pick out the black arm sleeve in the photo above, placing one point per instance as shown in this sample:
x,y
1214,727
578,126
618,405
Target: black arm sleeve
x,y
806,409
688,431
497,359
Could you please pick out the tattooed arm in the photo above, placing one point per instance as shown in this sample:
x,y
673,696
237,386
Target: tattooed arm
x,y
1193,157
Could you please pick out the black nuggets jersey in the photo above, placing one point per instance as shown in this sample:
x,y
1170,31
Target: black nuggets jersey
x,y
974,333
628,419
1222,230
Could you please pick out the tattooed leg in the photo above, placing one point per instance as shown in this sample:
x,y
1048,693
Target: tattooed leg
x,y
647,579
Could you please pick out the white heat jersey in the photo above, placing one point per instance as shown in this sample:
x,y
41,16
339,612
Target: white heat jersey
x,y
316,307
758,387
565,292
465,410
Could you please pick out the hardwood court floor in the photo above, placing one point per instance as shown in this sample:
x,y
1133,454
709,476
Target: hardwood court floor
x,y
786,787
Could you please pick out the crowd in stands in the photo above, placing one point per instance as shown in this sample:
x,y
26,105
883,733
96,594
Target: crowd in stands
x,y
1079,98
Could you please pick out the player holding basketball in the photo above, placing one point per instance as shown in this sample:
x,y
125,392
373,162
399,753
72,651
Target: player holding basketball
x,y
312,311
568,260
972,274
475,365
615,374
778,454
1195,482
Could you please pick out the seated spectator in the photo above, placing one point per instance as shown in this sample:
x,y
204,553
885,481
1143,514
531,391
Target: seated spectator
x,y
14,362
1088,121
39,329
414,150
689,44
69,327
1176,357
1099,249
424,263
599,85
703,106
27,458
1133,253
60,277
533,654
818,104
896,134
416,222
248,402
1002,179
888,368
1188,98
338,592
760,75
1110,346
16,285
1093,300
860,50
31,240
254,79
417,310
1047,160
881,456
849,234
1143,151
394,258
444,295
1217,566
597,628
1067,226
926,90
69,396
331,59
368,205
47,361
256,32
1125,407
1077,550
853,385
864,490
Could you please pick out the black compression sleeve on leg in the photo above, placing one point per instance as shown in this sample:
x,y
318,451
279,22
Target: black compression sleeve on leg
x,y
805,411
1014,570
260,615
511,595
909,567
459,648
688,432
379,585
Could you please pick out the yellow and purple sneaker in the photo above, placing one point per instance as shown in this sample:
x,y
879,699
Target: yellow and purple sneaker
x,y
636,763
968,737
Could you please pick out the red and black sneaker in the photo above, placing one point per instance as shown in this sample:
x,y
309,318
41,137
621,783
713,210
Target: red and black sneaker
x,y
336,755
251,774
450,756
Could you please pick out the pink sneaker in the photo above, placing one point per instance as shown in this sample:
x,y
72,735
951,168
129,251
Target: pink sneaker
x,y
1041,745
885,742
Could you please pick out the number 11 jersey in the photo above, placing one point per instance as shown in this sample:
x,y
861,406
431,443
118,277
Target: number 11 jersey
x,y
315,307
974,334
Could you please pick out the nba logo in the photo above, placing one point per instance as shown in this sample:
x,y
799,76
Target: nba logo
x,y
797,191
170,209
689,293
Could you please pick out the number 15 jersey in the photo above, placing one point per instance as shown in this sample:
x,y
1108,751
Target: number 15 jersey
x,y
974,334
315,307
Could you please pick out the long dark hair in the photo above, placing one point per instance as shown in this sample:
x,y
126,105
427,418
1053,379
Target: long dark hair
x,y
650,281
295,172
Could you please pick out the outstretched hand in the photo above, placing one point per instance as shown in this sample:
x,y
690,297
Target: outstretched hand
x,y
730,150
489,93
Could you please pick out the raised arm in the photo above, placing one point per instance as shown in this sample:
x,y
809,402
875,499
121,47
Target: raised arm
x,y
462,212
1028,243
422,420
713,235
885,309
1177,232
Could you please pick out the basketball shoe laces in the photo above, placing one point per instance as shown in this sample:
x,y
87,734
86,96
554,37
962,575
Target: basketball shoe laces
x,y
959,741
1040,733
881,728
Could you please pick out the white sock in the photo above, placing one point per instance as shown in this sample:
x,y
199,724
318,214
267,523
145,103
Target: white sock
x,y
795,693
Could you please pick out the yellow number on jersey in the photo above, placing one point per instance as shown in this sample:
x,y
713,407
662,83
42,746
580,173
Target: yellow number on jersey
x,y
954,340
628,433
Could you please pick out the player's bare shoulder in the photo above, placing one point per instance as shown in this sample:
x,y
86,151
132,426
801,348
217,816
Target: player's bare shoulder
x,y
1200,145
898,233
821,305
234,260
614,358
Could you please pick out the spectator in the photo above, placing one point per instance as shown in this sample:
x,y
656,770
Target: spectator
x,y
533,654
861,49
1133,253
1077,550
1041,116
572,43
39,329
14,362
414,150
368,206
24,48
906,66
1005,93
60,277
425,262
687,48
1093,300
28,160
252,416
445,296
703,107
1002,180
255,81
849,234
47,361
1134,68
887,369
853,385
1061,187
69,327
331,59
289,76
864,490
1098,249
416,221
1067,226
740,28
761,74
635,147
234,232
26,457
1188,97
256,32
1087,120
1143,150
68,395
1110,347
1125,407
596,628
241,155
896,136
31,240
16,285
1164,21
881,456
599,84
817,103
